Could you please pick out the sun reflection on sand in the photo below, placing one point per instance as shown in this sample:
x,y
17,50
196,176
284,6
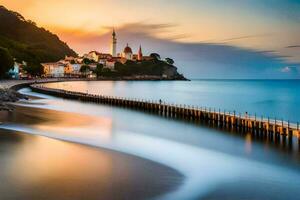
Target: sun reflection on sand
x,y
65,123
47,160
35,167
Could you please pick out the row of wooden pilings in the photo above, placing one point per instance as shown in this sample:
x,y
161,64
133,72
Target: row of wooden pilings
x,y
221,119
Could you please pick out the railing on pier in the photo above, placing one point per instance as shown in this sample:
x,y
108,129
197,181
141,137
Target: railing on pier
x,y
218,117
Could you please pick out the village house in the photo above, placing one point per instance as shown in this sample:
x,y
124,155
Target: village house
x,y
55,70
14,72
17,71
110,63
93,55
70,66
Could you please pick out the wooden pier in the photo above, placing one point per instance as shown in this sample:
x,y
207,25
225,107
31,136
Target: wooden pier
x,y
262,125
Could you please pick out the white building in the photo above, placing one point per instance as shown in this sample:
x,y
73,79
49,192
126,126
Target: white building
x,y
76,67
14,72
56,69
93,55
127,53
110,64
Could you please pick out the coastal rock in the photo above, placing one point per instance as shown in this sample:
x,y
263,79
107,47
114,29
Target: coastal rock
x,y
9,95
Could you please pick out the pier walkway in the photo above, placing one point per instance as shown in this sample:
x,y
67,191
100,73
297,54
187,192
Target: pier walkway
x,y
219,118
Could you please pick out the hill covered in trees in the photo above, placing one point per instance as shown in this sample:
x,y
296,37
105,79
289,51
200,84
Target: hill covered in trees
x,y
27,42
147,68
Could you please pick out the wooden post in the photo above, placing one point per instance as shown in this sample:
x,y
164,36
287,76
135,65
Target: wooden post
x,y
268,124
224,113
219,116
275,125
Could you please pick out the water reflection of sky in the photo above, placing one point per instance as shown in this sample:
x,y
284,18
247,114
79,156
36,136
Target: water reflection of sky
x,y
274,98
208,158
34,167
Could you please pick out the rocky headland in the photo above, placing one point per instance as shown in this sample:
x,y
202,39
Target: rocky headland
x,y
7,96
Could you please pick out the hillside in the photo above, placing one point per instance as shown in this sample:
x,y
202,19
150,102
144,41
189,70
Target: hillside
x,y
27,42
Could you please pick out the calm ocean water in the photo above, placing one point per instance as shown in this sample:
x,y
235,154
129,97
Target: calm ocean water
x,y
215,164
274,98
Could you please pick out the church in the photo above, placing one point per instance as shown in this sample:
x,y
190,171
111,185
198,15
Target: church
x,y
110,59
127,53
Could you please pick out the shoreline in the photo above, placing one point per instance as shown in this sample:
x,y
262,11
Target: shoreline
x,y
156,167
129,179
8,88
265,126
232,193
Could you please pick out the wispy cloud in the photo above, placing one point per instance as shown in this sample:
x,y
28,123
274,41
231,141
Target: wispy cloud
x,y
293,46
244,37
196,60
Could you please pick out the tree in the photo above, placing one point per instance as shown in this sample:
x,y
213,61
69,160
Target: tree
x,y
87,61
170,61
84,68
108,73
27,42
33,69
99,69
6,61
155,56
118,65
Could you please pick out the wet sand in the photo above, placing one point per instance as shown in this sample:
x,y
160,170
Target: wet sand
x,y
36,167
243,179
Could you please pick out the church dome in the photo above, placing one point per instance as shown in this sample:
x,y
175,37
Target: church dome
x,y
127,49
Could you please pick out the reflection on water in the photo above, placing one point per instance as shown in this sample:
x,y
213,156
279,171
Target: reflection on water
x,y
209,158
61,122
33,167
274,98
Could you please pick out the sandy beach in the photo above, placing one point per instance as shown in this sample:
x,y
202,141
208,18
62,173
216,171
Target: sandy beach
x,y
37,167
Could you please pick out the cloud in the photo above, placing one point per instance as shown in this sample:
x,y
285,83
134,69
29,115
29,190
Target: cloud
x,y
293,46
195,60
244,37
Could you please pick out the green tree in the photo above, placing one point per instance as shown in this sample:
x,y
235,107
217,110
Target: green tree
x,y
27,42
99,69
87,61
84,69
34,69
170,61
109,73
155,56
6,61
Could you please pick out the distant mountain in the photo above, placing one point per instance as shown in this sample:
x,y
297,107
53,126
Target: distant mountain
x,y
27,42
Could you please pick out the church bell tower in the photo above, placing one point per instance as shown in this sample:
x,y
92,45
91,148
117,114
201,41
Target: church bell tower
x,y
114,44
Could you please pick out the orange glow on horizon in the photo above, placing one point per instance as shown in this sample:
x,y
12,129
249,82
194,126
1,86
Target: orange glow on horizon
x,y
76,20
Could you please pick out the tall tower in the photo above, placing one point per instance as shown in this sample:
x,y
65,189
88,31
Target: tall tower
x,y
140,54
114,44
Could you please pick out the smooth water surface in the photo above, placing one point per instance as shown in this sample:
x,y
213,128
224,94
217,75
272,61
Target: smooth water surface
x,y
271,98
215,164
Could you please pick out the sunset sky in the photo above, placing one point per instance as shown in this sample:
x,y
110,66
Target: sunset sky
x,y
267,31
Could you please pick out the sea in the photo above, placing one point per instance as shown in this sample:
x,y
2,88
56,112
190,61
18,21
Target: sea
x,y
268,98
210,163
